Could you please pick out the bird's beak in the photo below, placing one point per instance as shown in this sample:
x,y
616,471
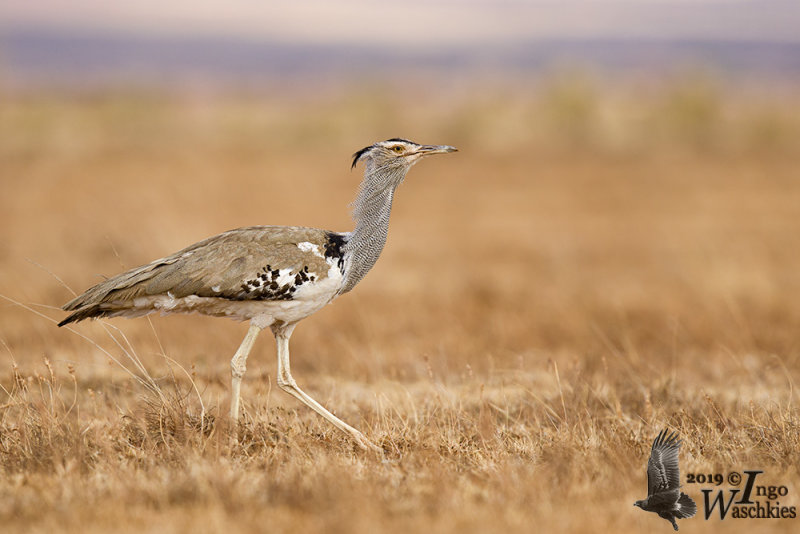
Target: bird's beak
x,y
427,150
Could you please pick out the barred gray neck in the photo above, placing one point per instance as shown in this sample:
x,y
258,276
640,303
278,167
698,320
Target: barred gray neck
x,y
371,211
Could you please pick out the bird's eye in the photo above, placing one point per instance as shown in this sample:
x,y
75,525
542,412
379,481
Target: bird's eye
x,y
397,148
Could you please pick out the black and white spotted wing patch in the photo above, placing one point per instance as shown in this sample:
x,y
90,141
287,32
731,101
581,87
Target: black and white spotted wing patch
x,y
273,284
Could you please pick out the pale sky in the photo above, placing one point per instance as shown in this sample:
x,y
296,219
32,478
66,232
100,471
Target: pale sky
x,y
418,23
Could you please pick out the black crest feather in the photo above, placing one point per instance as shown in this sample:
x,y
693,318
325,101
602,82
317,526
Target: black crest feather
x,y
358,155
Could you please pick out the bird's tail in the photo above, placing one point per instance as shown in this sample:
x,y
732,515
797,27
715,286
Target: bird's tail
x,y
686,507
82,313
113,297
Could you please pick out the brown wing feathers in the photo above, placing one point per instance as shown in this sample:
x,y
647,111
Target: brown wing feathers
x,y
240,264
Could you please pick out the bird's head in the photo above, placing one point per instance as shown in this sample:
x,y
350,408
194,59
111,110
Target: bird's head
x,y
396,154
640,504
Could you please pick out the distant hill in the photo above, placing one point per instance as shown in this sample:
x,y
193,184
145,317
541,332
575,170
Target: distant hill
x,y
60,57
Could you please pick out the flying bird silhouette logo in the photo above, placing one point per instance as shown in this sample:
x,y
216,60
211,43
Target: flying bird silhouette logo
x,y
664,496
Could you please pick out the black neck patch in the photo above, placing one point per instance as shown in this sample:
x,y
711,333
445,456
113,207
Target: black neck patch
x,y
334,248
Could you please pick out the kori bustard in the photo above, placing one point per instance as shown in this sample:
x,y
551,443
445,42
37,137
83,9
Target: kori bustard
x,y
272,276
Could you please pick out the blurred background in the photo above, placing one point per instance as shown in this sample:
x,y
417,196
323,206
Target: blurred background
x,y
627,168
223,45
617,158
615,247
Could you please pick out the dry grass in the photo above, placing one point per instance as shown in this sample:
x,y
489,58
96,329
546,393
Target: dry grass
x,y
582,274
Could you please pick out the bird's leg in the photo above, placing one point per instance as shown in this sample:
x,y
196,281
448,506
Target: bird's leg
x,y
239,366
674,523
288,384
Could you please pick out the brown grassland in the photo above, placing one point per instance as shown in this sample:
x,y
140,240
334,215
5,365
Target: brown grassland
x,y
595,264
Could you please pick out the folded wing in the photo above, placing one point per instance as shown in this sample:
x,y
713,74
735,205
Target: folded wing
x,y
255,263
